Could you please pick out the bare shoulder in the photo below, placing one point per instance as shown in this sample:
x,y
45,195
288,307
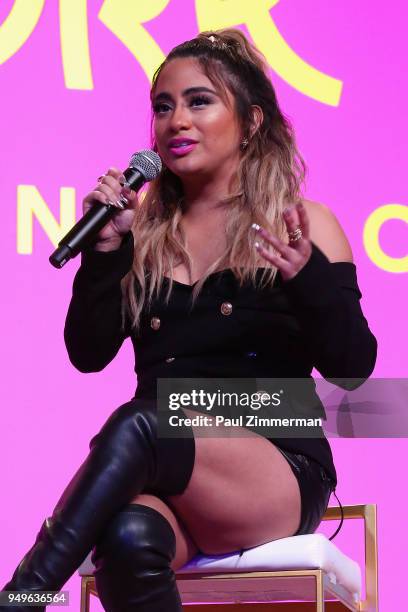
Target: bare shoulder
x,y
327,233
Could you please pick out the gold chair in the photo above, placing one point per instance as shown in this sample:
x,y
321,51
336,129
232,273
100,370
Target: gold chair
x,y
273,590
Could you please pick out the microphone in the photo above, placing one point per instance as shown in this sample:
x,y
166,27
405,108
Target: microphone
x,y
144,166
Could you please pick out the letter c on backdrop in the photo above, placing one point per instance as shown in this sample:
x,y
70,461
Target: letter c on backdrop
x,y
371,241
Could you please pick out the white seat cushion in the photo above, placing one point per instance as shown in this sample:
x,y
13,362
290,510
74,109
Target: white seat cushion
x,y
310,551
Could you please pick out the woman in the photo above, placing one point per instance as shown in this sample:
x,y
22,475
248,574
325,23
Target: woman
x,y
200,296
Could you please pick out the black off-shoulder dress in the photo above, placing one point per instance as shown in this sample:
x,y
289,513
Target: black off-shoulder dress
x,y
312,320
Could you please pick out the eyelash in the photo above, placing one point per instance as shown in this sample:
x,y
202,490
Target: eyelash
x,y
157,108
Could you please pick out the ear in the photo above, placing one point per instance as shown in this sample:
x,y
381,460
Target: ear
x,y
256,119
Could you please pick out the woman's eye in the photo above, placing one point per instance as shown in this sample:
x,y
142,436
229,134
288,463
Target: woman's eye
x,y
201,100
163,107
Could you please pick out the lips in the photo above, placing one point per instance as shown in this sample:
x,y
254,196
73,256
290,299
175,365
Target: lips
x,y
181,146
178,142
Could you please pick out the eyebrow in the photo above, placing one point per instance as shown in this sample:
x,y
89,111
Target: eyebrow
x,y
165,95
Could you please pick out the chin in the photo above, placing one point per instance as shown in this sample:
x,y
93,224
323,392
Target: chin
x,y
184,167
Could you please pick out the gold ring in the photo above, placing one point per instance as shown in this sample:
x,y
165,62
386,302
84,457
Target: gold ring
x,y
295,235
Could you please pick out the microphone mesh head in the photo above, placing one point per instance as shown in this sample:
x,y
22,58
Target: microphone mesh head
x,y
147,162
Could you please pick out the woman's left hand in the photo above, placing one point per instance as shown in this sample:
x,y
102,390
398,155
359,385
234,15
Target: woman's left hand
x,y
294,255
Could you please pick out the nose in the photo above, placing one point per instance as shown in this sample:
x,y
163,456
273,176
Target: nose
x,y
180,118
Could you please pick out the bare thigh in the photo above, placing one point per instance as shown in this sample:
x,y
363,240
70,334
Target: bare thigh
x,y
242,493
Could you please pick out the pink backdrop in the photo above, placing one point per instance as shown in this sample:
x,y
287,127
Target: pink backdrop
x,y
74,82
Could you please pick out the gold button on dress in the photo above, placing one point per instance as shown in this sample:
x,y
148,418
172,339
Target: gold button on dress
x,y
226,308
155,323
170,359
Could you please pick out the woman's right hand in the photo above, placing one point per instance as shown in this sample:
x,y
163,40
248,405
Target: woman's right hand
x,y
109,189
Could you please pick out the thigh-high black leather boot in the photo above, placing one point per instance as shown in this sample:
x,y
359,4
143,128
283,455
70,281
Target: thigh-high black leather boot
x,y
126,457
132,563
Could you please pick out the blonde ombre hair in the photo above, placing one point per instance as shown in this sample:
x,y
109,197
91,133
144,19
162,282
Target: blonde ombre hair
x,y
269,176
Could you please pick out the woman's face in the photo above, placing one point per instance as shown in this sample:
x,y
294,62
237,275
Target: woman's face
x,y
196,132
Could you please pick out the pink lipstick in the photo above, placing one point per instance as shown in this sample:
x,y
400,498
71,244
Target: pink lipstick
x,y
181,146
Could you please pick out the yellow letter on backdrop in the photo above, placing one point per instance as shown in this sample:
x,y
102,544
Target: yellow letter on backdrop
x,y
371,237
217,14
30,204
124,18
76,60
18,26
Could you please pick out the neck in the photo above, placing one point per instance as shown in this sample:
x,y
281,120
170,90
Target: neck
x,y
203,196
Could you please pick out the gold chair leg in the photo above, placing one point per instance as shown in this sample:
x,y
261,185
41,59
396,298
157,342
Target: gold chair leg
x,y
85,595
319,592
368,512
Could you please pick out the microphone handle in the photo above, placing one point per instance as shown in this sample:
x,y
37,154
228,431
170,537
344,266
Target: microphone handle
x,y
82,234
84,231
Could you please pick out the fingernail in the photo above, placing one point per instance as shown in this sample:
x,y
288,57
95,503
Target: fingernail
x,y
256,227
116,204
287,210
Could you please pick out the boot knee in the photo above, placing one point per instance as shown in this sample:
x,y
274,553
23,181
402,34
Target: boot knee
x,y
137,538
132,562
137,415
133,428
